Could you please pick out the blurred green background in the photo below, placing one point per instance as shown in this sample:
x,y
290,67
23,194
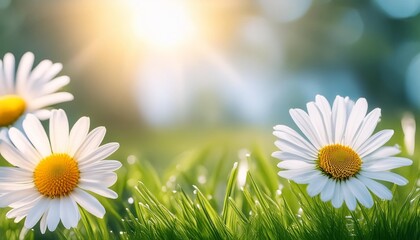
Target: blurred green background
x,y
166,76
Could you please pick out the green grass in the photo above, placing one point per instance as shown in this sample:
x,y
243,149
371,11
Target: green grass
x,y
197,196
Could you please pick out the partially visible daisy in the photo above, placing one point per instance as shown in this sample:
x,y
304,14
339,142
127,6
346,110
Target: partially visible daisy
x,y
29,91
338,157
51,176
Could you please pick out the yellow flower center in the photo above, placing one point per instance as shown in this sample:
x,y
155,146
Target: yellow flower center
x,y
338,161
56,175
11,108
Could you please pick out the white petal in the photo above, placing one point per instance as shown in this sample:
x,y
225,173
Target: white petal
x,y
88,202
328,190
9,70
36,134
294,164
20,197
24,146
386,164
32,196
50,99
360,191
23,71
382,152
287,146
282,131
49,73
55,84
39,71
378,189
375,142
78,134
291,156
339,120
3,88
21,211
302,120
43,223
36,212
99,154
301,176
385,176
53,217
348,196
14,157
367,128
16,175
355,119
316,186
98,188
337,199
107,178
3,135
59,131
42,114
68,212
102,166
91,143
318,123
325,109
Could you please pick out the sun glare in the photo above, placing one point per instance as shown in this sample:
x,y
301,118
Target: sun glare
x,y
162,24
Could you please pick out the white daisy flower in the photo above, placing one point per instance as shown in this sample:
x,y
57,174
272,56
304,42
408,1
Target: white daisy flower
x,y
29,91
51,176
338,157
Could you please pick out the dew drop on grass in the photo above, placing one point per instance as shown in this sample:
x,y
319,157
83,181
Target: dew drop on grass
x,y
300,211
202,179
131,159
130,200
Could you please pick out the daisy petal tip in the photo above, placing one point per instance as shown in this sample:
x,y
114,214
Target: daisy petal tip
x,y
283,175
